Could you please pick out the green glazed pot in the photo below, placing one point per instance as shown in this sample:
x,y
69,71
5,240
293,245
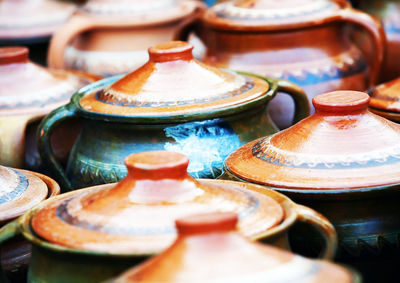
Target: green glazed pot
x,y
207,138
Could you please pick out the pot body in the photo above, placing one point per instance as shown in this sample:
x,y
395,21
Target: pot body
x,y
98,154
319,59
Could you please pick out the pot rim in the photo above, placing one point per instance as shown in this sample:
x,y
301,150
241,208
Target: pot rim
x,y
177,118
24,222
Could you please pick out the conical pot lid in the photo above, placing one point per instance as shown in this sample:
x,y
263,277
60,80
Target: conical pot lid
x,y
27,88
172,83
19,191
208,250
342,146
136,216
25,19
386,96
270,14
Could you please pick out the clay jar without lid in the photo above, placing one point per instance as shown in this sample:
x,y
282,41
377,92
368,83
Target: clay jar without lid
x,y
305,42
209,250
344,162
173,102
93,234
109,37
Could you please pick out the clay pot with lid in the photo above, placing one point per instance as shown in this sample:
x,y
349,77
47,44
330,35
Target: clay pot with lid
x,y
344,162
173,102
20,191
208,249
306,42
109,37
385,100
27,93
93,234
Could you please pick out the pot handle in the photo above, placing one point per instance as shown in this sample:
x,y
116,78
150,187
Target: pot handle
x,y
191,24
300,99
308,215
8,231
45,130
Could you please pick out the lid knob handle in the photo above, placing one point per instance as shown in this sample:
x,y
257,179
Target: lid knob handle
x,y
171,51
206,223
13,54
341,102
157,165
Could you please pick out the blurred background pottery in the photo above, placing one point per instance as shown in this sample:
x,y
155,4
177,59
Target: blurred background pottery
x,y
109,37
208,249
343,161
96,233
306,42
385,100
20,191
31,23
173,102
27,93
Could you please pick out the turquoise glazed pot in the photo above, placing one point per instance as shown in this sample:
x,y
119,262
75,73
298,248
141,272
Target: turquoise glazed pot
x,y
205,127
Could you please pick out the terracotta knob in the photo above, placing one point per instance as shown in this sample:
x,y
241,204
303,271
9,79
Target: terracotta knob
x,y
157,165
341,102
14,54
171,51
206,223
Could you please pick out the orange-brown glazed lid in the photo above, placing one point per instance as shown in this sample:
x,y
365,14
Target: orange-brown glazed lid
x,y
136,216
342,146
27,88
209,250
386,96
19,191
26,19
172,83
270,14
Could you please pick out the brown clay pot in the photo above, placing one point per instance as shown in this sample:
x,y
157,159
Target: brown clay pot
x,y
108,37
385,100
27,93
208,249
306,42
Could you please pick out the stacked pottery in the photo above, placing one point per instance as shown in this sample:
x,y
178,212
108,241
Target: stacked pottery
x,y
306,42
109,37
209,250
96,233
173,102
344,162
27,93
31,23
385,100
20,191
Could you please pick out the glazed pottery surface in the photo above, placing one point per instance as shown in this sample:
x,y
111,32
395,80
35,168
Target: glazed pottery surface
x,y
386,97
88,235
173,102
305,42
209,250
27,93
342,161
109,37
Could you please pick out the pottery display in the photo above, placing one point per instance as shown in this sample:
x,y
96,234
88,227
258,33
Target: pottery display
x,y
208,249
27,93
389,12
342,161
306,42
385,100
173,102
20,191
93,234
109,37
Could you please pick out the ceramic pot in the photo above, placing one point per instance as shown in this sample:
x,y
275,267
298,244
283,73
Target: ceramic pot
x,y
208,249
173,102
342,161
31,23
20,191
305,42
385,100
388,11
93,234
108,37
27,93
